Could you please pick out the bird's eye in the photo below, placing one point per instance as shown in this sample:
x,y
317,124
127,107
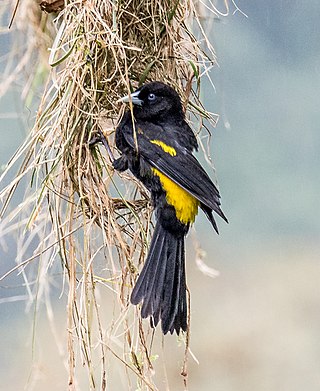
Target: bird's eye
x,y
151,97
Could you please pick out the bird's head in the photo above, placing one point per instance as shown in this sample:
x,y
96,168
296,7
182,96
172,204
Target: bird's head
x,y
155,100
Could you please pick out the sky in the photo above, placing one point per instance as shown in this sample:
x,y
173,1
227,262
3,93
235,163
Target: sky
x,y
267,140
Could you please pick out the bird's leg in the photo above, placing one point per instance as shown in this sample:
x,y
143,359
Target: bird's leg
x,y
100,138
121,164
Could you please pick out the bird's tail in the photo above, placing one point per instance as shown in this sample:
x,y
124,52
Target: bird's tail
x,y
161,285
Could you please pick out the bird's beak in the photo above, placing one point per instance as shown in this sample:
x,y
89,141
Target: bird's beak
x,y
133,97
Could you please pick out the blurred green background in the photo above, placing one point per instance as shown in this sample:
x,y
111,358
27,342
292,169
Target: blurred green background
x,y
256,326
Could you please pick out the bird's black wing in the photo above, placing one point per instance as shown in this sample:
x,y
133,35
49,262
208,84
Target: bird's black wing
x,y
182,167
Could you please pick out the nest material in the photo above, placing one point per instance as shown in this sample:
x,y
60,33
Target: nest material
x,y
102,49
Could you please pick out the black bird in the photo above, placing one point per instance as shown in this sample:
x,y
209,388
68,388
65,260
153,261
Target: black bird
x,y
157,148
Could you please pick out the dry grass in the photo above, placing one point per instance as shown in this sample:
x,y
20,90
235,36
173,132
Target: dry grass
x,y
76,208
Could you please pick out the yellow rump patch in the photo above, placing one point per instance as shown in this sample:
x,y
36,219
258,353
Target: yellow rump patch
x,y
185,205
167,148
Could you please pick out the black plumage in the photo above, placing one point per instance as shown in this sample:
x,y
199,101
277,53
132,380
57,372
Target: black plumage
x,y
157,148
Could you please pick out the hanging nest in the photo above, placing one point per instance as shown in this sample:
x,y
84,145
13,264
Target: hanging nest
x,y
92,225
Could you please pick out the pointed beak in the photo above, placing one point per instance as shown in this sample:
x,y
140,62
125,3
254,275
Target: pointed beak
x,y
133,97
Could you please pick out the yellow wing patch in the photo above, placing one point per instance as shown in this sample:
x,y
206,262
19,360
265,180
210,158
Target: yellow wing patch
x,y
185,205
167,148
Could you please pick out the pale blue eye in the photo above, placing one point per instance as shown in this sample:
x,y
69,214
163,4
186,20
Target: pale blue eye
x,y
151,97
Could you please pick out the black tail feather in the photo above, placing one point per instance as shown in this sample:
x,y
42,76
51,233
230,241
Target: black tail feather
x,y
162,282
156,275
181,322
172,289
148,271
